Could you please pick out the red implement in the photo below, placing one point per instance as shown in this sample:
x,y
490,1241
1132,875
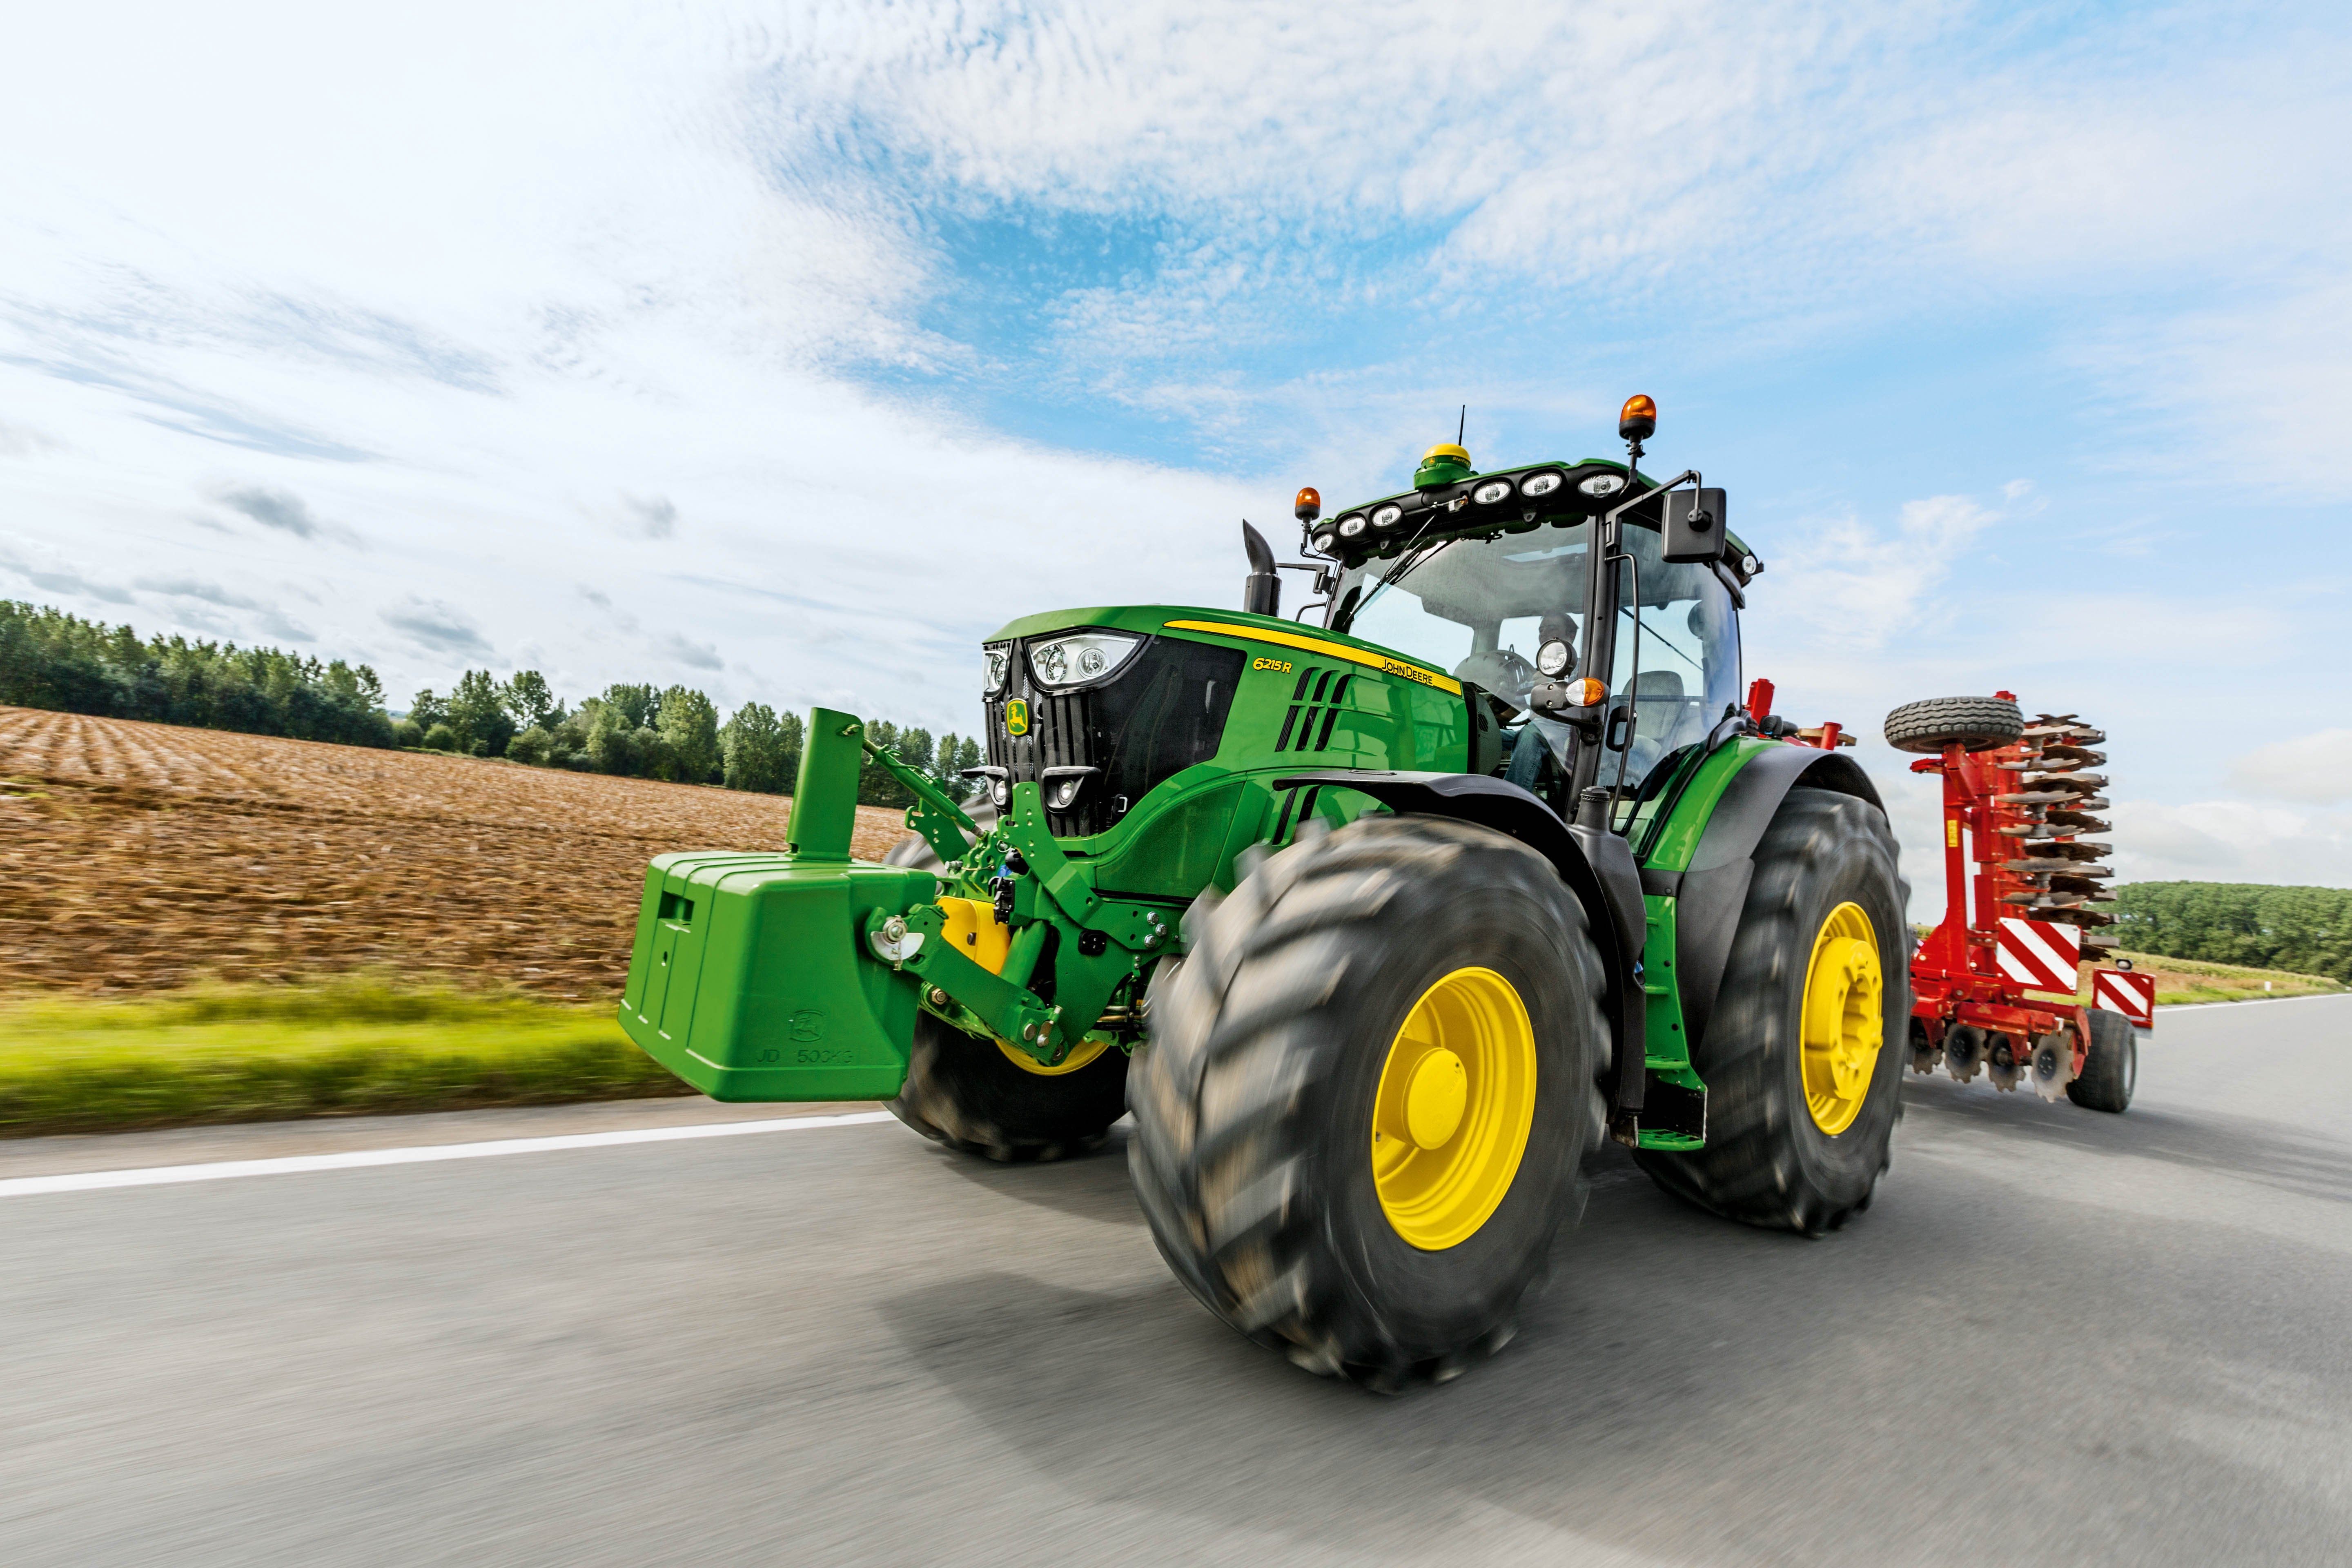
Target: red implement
x,y
1995,986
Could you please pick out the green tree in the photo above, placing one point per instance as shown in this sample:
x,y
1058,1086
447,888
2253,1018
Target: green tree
x,y
425,710
478,711
528,696
954,755
2303,929
752,747
535,746
638,705
875,786
612,746
688,727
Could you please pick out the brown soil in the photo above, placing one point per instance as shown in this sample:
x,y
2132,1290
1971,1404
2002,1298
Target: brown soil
x,y
142,857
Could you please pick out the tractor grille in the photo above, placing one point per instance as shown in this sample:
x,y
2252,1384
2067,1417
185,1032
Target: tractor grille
x,y
1163,711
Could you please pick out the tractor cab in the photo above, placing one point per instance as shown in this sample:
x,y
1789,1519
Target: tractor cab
x,y
1489,577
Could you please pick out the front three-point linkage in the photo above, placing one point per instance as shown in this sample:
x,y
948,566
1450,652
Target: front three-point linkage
x,y
1033,887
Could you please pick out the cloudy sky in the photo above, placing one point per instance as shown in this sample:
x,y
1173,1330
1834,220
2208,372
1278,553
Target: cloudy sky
x,y
784,350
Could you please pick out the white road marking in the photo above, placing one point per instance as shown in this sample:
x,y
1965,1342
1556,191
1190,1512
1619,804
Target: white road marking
x,y
222,1170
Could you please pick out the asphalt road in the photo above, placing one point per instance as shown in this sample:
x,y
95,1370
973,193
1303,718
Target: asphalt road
x,y
2058,1337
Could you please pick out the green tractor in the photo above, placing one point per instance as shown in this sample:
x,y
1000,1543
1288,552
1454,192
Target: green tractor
x,y
1376,924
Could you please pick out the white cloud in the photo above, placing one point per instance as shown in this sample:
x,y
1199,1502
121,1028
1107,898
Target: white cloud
x,y
2231,841
2315,768
1857,586
2257,382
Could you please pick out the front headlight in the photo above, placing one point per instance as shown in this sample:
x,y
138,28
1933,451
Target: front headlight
x,y
1600,485
1388,514
1553,657
1000,665
1491,491
1074,660
1536,485
1350,527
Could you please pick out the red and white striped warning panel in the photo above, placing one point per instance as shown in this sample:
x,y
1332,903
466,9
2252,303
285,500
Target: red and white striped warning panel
x,y
2040,955
2133,995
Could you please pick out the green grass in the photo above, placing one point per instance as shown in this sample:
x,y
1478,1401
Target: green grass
x,y
2194,980
341,1048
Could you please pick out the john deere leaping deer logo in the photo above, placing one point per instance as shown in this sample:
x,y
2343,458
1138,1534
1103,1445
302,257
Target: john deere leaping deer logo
x,y
1016,717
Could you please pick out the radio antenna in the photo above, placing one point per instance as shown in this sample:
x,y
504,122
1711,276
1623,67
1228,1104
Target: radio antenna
x,y
1464,426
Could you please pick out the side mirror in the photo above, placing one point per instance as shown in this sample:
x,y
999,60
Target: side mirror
x,y
1691,525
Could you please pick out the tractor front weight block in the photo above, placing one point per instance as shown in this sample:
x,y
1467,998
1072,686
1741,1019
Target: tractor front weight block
x,y
752,979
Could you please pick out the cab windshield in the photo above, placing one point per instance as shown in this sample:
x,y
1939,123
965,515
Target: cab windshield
x,y
1481,608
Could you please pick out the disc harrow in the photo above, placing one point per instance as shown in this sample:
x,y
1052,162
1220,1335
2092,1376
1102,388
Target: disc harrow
x,y
1997,986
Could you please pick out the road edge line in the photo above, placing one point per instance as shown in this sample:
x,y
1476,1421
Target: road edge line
x,y
415,1154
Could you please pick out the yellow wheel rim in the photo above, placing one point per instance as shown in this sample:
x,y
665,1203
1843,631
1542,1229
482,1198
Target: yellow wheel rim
x,y
1844,1019
1081,1055
1456,1099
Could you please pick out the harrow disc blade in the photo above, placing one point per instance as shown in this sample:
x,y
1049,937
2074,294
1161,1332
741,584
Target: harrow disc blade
x,y
2053,1065
2075,821
2078,916
2069,849
2080,783
1964,1051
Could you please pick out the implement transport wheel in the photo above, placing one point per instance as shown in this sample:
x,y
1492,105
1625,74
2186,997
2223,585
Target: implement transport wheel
x,y
1803,1057
2112,1066
1977,723
1368,1094
984,1098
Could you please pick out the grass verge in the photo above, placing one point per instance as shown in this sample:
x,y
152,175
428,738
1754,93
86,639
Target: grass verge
x,y
2193,980
347,1046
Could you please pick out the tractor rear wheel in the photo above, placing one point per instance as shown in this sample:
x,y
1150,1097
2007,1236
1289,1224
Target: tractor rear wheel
x,y
983,1098
1803,1057
1368,1095
2112,1068
1977,723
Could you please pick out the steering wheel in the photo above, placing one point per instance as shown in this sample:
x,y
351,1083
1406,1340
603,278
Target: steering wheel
x,y
1517,669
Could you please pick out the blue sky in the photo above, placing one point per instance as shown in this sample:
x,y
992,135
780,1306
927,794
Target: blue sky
x,y
785,349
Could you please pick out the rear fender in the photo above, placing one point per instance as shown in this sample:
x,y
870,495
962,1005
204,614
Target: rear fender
x,y
1612,906
1710,894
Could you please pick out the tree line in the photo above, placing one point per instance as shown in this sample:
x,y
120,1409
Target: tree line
x,y
2306,930
651,731
61,662
57,661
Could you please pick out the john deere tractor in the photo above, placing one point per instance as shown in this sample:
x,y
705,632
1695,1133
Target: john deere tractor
x,y
1378,917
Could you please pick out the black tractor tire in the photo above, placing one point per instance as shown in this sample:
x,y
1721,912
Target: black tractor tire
x,y
1977,723
963,1092
1766,1161
1254,1102
2111,1069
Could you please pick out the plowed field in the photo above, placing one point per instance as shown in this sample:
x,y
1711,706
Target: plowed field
x,y
142,857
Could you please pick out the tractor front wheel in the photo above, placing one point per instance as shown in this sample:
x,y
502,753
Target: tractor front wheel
x,y
984,1098
1368,1094
1804,1055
